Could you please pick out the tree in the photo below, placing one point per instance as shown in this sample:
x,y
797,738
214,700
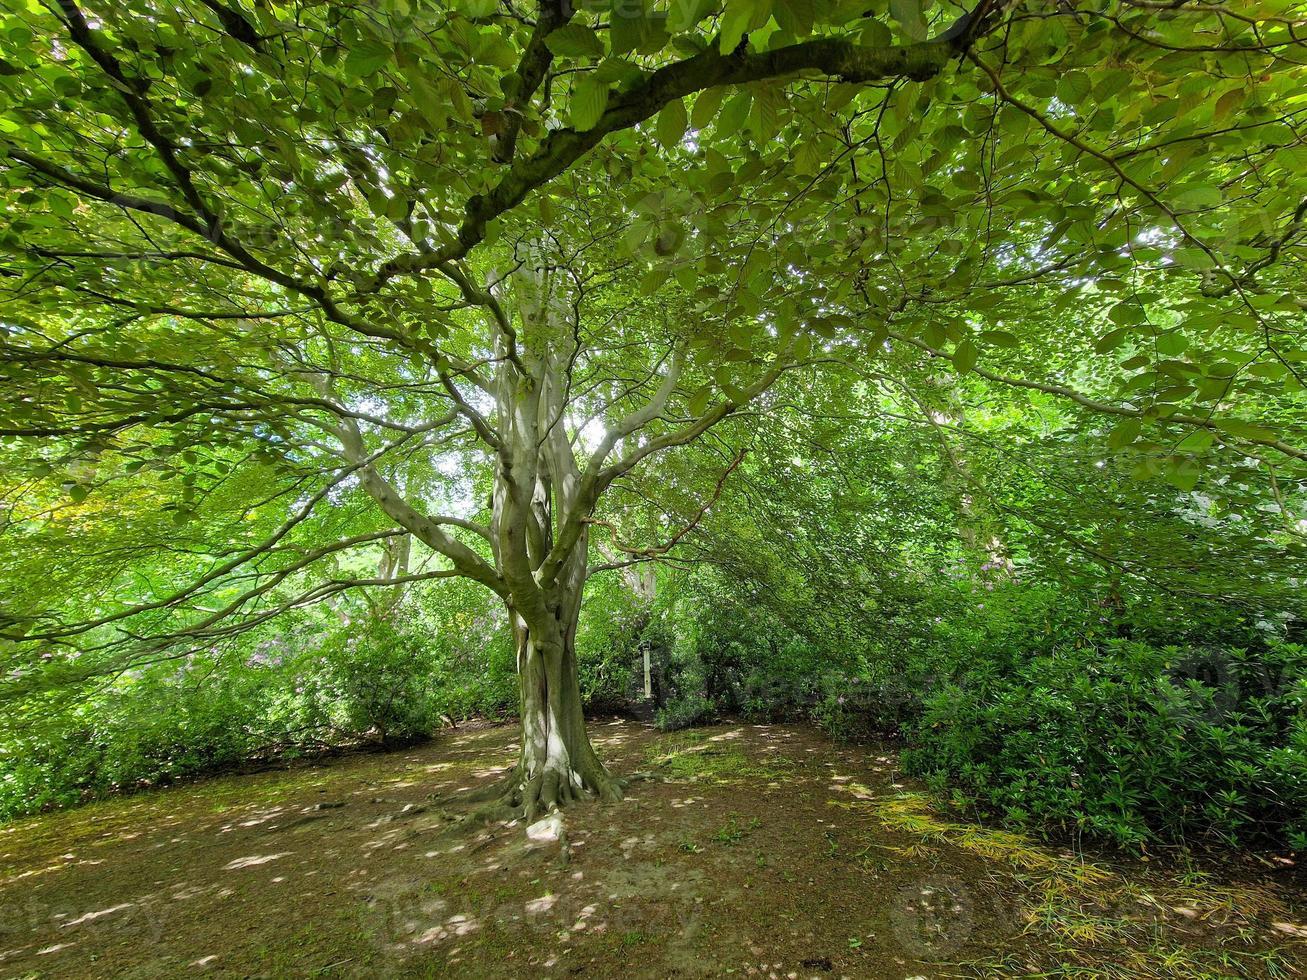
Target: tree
x,y
449,255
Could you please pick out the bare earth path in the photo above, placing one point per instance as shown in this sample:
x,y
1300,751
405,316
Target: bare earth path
x,y
760,851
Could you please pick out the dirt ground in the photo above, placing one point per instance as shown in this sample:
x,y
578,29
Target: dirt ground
x,y
759,851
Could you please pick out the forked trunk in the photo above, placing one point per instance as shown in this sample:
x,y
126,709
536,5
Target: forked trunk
x,y
539,537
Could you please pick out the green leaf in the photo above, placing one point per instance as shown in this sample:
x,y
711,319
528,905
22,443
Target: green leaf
x,y
731,119
706,104
628,26
670,238
496,49
1123,433
1145,469
1180,472
684,14
741,17
698,402
653,280
575,41
1193,258
910,18
1196,441
636,236
1074,87
478,9
367,59
1000,338
589,100
764,118
1227,103
1244,430
965,356
1200,196
1111,340
1126,314
672,121
1172,344
795,17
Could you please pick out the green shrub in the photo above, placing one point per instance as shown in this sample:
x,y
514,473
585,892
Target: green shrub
x,y
856,709
685,712
383,683
1130,741
319,680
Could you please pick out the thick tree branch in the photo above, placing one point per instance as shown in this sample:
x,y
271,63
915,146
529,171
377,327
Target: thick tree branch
x,y
426,529
832,58
531,70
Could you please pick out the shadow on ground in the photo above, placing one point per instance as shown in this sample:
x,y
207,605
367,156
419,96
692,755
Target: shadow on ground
x,y
760,851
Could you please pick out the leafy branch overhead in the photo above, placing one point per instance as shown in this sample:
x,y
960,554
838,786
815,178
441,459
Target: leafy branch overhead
x,y
301,277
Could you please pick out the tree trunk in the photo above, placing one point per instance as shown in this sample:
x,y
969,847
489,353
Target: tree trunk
x,y
557,763
543,497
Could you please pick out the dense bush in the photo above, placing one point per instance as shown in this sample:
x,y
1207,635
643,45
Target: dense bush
x,y
1038,705
608,645
1035,704
155,727
338,677
317,681
1129,741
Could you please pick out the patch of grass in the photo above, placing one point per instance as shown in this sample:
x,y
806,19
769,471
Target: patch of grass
x,y
733,832
694,758
334,945
911,813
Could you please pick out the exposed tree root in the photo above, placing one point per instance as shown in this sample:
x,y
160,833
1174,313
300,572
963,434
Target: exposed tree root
x,y
519,797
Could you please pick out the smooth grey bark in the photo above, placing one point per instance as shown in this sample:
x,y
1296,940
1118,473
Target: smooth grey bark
x,y
557,763
543,500
541,496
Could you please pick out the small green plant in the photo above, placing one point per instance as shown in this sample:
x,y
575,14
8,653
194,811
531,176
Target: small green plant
x,y
730,834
